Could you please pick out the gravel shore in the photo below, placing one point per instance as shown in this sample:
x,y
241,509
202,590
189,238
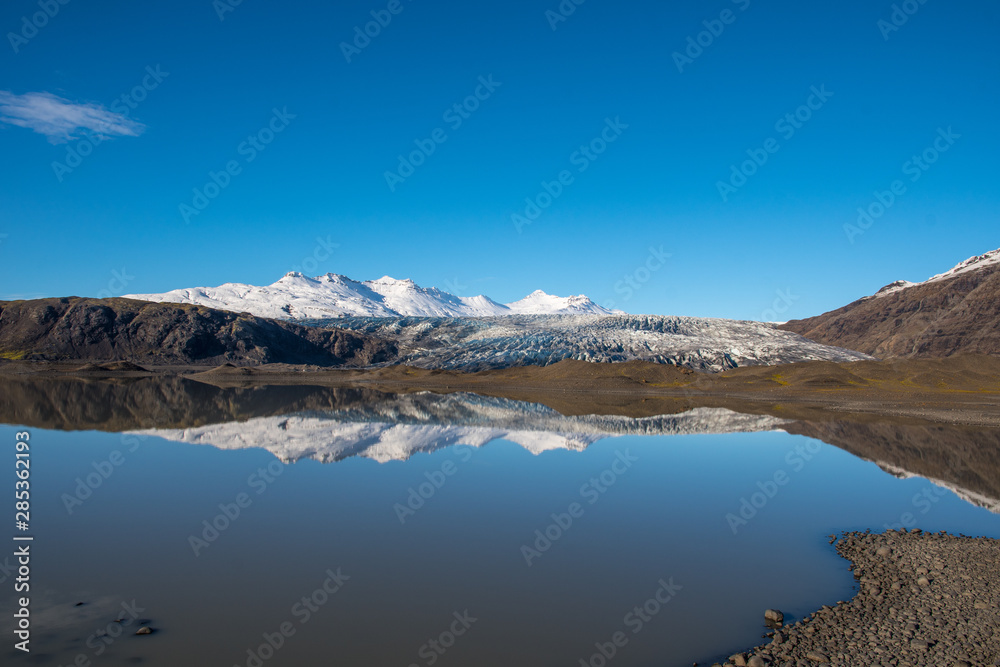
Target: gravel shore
x,y
925,599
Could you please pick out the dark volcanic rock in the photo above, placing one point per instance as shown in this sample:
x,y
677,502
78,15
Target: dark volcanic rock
x,y
935,319
141,332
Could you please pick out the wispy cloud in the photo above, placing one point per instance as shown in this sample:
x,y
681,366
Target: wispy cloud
x,y
61,120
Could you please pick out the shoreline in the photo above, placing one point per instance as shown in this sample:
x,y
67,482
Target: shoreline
x,y
961,391
923,599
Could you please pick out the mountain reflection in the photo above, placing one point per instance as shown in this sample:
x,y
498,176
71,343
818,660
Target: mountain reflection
x,y
332,423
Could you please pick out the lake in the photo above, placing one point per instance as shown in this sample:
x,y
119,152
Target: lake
x,y
304,526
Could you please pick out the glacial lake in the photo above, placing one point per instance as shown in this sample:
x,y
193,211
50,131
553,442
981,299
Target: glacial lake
x,y
427,530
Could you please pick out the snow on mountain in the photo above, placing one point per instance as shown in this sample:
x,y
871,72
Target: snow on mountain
x,y
296,296
540,303
972,264
396,429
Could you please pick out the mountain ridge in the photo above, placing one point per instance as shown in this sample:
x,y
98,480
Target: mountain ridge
x,y
97,330
954,312
296,296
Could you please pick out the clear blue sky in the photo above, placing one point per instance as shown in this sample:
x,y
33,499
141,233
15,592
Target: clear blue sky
x,y
449,224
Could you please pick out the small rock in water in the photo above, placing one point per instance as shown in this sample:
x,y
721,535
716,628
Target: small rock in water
x,y
144,630
774,616
738,659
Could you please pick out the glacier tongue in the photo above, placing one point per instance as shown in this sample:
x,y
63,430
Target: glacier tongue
x,y
296,296
474,344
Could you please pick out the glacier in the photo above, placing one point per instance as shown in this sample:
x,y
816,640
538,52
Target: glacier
x,y
476,344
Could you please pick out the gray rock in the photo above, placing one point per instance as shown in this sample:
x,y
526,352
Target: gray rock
x,y
144,630
774,616
816,656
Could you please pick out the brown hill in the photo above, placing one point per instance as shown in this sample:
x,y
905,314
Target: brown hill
x,y
939,318
141,332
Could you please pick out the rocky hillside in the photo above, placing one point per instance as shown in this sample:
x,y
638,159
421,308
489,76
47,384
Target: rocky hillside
x,y
955,312
153,333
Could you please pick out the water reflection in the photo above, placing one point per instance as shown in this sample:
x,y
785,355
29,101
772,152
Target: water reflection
x,y
331,423
549,537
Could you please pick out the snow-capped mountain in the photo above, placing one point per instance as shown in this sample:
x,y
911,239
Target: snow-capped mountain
x,y
976,263
955,312
296,296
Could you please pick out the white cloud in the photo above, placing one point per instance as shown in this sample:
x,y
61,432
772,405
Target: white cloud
x,y
61,120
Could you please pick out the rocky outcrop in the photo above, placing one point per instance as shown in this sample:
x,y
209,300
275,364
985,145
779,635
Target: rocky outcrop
x,y
96,330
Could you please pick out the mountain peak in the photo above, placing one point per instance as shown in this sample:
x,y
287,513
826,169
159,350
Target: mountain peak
x,y
974,263
330,296
389,280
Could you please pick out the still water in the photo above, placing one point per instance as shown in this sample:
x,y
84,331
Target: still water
x,y
425,531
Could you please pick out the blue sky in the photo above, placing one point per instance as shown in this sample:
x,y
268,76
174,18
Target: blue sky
x,y
160,97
